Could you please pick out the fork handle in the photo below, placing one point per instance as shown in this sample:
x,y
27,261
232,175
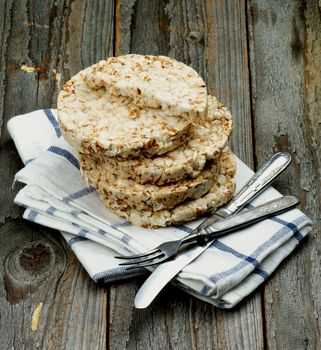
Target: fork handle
x,y
259,181
246,218
257,184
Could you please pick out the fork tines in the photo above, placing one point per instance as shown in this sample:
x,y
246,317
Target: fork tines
x,y
149,258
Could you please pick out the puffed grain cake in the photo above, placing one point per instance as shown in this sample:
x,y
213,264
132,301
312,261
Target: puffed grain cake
x,y
205,142
94,121
130,194
220,193
153,82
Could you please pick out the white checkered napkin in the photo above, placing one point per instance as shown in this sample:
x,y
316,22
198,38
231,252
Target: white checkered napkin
x,y
56,196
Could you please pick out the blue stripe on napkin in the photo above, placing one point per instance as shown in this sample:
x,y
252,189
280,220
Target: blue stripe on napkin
x,y
29,160
63,153
32,215
290,225
51,210
225,248
184,228
116,273
257,252
83,232
78,194
77,239
53,121
125,239
75,213
122,224
261,273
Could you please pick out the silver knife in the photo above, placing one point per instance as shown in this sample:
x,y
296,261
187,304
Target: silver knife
x,y
166,271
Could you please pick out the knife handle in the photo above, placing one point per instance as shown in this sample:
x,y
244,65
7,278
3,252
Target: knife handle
x,y
246,218
259,181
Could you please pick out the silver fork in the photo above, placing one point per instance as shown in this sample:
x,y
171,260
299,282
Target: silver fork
x,y
219,223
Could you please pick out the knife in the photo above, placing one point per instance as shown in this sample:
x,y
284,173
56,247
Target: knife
x,y
166,271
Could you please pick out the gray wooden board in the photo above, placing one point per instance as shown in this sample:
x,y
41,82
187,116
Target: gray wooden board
x,y
285,46
38,269
41,274
36,265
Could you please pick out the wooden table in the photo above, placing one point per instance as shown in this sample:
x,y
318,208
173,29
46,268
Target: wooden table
x,y
263,60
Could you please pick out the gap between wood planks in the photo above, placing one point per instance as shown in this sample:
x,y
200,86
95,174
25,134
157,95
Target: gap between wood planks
x,y
250,56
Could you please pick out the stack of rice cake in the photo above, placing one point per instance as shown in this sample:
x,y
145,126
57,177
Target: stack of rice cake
x,y
149,138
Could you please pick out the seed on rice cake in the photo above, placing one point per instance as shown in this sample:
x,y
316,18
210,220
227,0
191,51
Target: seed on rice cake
x,y
95,121
205,142
128,193
220,193
153,81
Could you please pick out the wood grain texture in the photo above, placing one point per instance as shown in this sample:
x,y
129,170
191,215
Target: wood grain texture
x,y
177,321
285,53
226,58
57,38
141,27
37,267
211,37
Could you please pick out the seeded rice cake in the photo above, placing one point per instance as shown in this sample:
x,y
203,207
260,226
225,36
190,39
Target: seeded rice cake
x,y
128,193
205,142
95,121
153,81
220,193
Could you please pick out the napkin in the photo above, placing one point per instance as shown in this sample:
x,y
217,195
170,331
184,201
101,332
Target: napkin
x,y
56,196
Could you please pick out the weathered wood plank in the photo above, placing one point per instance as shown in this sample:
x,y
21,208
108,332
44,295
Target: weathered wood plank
x,y
211,37
38,269
141,27
285,46
227,72
56,39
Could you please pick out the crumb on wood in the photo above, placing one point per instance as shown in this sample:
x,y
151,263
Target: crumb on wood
x,y
57,76
36,316
36,25
28,69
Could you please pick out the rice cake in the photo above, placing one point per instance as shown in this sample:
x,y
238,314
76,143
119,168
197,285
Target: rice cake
x,y
205,142
220,193
94,121
153,82
130,194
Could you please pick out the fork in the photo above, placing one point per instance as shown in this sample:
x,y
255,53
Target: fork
x,y
220,228
223,221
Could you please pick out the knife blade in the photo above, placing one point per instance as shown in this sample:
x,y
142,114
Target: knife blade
x,y
166,271
163,274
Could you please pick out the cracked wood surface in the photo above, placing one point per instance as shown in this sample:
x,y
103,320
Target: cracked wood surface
x,y
285,69
262,59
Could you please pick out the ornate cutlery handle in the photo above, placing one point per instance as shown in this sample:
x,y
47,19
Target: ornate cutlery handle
x,y
259,181
246,218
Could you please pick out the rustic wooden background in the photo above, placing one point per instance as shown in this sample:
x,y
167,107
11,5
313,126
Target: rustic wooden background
x,y
263,60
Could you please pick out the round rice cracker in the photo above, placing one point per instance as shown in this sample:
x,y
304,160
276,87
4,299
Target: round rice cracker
x,y
153,82
219,194
205,142
94,121
126,193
